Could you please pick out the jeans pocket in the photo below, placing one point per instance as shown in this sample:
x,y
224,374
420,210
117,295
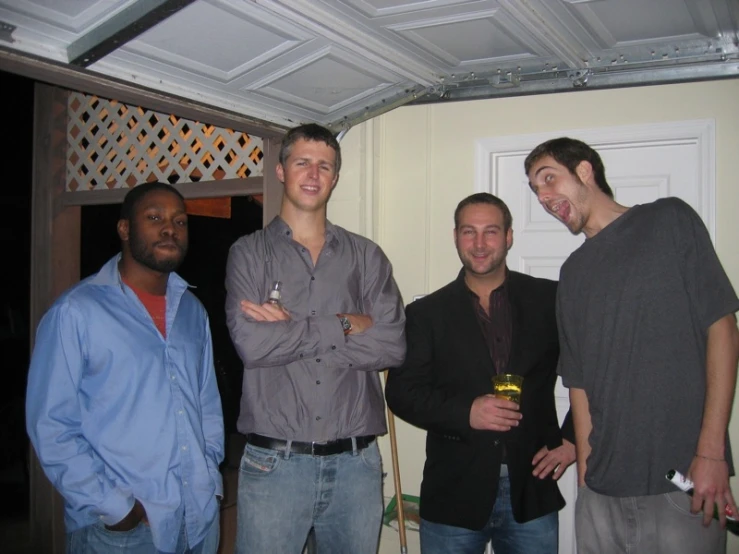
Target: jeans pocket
x,y
371,457
258,461
97,538
680,502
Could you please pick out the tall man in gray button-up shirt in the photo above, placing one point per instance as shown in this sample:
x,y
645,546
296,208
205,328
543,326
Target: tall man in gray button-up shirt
x,y
312,401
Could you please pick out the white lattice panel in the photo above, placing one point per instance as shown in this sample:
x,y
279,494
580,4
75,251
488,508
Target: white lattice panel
x,y
113,145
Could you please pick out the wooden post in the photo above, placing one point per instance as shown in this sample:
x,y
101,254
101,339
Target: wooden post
x,y
272,187
396,479
55,266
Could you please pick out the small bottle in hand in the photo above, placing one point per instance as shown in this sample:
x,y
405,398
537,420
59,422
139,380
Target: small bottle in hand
x,y
686,485
275,293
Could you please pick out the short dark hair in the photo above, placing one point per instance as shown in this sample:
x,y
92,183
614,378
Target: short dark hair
x,y
310,132
137,194
485,198
570,152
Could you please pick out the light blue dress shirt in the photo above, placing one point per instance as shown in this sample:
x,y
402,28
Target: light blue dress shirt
x,y
117,412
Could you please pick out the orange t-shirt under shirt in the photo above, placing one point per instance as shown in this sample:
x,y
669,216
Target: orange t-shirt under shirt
x,y
156,306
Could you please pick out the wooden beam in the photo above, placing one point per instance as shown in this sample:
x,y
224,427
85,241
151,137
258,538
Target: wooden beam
x,y
209,207
212,189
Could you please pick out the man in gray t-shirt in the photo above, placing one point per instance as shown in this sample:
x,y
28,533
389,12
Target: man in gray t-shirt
x,y
648,348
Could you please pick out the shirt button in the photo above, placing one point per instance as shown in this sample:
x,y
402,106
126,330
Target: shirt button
x,y
496,442
318,382
318,418
174,377
318,359
333,347
184,483
184,447
312,278
312,312
181,412
301,355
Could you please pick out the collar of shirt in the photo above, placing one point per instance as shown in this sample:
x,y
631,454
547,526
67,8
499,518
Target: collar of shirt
x,y
278,227
501,289
109,276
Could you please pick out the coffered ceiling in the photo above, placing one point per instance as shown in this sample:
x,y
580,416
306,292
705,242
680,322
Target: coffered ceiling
x,y
277,63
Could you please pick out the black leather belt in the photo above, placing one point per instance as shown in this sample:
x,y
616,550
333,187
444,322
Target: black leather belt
x,y
314,448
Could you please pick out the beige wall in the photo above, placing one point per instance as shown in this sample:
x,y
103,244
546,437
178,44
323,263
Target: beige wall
x,y
405,172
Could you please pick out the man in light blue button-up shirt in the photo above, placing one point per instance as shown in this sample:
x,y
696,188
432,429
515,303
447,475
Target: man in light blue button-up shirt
x,y
123,407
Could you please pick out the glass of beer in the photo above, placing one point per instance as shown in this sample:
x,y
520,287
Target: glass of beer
x,y
508,386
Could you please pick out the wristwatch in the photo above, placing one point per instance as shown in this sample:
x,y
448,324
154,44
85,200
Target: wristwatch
x,y
346,325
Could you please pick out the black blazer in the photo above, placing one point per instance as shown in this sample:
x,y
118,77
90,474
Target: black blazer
x,y
447,366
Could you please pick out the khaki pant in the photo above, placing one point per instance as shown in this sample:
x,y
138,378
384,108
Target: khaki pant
x,y
659,524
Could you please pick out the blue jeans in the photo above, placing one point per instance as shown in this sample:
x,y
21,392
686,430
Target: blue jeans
x,y
282,495
540,536
96,539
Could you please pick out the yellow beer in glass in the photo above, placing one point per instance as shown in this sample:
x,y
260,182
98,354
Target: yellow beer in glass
x,y
508,386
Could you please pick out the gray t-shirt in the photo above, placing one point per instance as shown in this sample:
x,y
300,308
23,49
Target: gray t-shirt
x,y
634,305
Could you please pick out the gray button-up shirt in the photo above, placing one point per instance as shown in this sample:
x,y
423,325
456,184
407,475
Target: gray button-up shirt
x,y
303,379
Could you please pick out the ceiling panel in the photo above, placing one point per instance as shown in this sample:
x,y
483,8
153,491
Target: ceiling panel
x,y
226,43
488,38
327,83
214,40
657,19
337,62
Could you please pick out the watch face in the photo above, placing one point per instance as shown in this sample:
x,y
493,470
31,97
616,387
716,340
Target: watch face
x,y
346,324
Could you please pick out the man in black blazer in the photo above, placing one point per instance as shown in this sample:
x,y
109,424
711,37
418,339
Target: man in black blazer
x,y
491,465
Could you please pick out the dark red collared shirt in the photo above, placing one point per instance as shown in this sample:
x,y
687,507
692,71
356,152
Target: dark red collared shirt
x,y
497,327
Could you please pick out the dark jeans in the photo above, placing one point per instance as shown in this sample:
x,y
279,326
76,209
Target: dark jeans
x,y
539,536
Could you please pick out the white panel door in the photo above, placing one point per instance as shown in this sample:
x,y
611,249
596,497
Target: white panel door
x,y
642,163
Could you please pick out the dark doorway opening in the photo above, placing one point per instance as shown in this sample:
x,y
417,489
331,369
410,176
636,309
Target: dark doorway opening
x,y
15,241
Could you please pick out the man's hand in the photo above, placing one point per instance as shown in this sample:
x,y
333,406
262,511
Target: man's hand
x,y
360,322
265,312
490,413
134,517
711,487
553,461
